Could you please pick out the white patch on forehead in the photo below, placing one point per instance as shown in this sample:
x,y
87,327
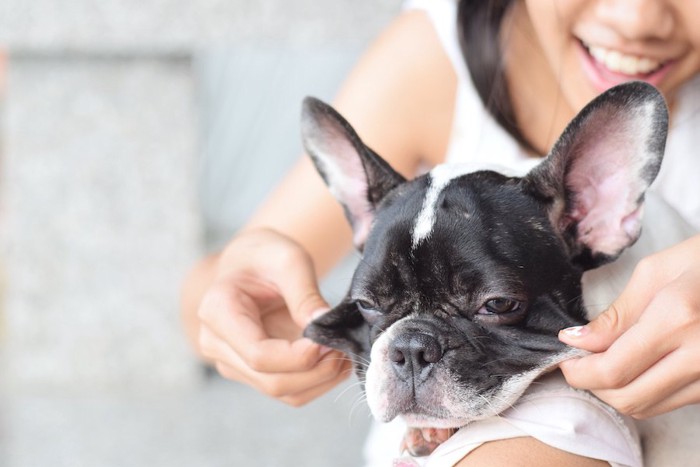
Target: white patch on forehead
x,y
440,177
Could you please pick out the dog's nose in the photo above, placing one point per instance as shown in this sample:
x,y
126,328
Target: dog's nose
x,y
413,355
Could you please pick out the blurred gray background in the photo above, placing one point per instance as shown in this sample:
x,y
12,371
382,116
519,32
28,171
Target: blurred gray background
x,y
134,136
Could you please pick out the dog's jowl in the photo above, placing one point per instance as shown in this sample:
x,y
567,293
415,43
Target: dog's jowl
x,y
467,274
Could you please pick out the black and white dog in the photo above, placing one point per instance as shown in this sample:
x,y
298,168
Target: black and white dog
x,y
467,274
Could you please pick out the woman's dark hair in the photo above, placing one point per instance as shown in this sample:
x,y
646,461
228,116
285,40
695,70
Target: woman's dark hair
x,y
479,27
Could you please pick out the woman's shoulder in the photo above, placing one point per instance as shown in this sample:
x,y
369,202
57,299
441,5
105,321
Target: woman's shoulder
x,y
406,84
442,15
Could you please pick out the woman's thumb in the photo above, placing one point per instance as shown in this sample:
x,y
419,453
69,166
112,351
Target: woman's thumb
x,y
601,332
302,295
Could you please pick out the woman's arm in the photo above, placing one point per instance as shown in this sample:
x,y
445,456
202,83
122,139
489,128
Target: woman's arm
x,y
244,308
524,452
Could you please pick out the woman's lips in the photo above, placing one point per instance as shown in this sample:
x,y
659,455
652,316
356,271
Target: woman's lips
x,y
606,68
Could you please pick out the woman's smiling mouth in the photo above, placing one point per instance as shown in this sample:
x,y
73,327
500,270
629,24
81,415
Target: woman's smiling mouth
x,y
620,63
608,67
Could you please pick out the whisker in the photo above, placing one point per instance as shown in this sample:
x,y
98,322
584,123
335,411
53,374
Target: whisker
x,y
344,391
494,412
359,359
360,402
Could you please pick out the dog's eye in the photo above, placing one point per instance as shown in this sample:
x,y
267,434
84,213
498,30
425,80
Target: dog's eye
x,y
501,305
501,311
368,311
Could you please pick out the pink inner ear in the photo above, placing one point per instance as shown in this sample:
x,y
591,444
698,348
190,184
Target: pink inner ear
x,y
347,182
607,183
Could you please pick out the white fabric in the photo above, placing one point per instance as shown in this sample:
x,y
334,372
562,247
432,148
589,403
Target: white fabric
x,y
477,137
550,411
475,134
677,182
554,413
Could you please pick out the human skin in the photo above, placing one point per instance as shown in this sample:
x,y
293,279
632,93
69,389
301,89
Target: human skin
x,y
241,314
647,343
373,95
647,346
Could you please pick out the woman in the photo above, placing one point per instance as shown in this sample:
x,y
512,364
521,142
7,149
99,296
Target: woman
x,y
418,99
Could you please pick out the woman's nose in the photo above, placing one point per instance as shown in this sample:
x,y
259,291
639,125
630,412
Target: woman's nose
x,y
638,19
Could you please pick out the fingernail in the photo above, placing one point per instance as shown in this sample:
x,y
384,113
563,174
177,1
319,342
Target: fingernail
x,y
324,350
575,331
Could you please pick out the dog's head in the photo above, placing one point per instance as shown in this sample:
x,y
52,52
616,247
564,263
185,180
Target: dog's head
x,y
467,275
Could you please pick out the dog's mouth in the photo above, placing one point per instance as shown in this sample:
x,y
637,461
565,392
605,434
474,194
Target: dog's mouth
x,y
453,391
439,402
421,420
409,377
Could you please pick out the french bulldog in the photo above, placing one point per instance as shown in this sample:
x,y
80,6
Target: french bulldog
x,y
467,273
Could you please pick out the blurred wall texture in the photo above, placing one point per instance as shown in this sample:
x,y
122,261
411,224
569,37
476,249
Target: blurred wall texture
x,y
135,135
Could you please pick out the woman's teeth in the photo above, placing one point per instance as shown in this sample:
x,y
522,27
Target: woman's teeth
x,y
621,63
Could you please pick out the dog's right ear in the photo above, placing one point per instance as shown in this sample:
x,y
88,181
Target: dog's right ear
x,y
357,177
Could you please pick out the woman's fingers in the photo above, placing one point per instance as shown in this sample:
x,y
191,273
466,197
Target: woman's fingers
x,y
642,396
329,370
263,293
235,318
624,312
316,391
633,353
272,264
688,395
653,365
290,385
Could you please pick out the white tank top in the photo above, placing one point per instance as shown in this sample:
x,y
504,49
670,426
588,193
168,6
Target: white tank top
x,y
476,136
550,411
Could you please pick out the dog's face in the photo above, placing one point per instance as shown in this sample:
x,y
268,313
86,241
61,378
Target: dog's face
x,y
467,275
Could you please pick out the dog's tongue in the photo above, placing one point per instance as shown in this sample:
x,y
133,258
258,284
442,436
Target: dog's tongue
x,y
420,442
405,462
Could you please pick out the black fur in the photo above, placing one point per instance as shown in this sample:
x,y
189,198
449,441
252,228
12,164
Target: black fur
x,y
496,237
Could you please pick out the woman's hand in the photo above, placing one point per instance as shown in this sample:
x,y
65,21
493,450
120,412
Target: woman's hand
x,y
646,346
263,293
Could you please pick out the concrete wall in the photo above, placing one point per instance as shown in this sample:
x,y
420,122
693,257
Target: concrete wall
x,y
136,26
115,116
100,221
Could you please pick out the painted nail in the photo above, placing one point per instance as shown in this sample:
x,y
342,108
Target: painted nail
x,y
575,331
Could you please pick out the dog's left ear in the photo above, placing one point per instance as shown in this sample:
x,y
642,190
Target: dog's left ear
x,y
341,328
597,173
355,174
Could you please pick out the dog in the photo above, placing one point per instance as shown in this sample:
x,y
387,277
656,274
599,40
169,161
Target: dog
x,y
468,273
